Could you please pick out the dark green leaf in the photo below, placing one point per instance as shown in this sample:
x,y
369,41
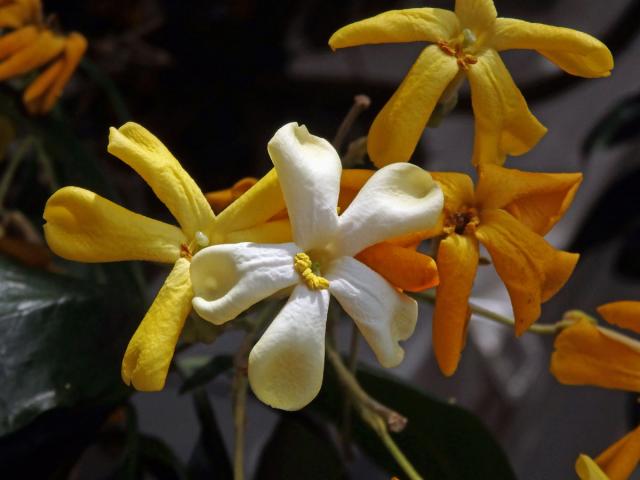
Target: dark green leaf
x,y
299,449
59,345
207,373
209,458
618,125
442,441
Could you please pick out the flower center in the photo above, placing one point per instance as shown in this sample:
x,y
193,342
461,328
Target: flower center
x,y
462,222
309,271
460,48
199,241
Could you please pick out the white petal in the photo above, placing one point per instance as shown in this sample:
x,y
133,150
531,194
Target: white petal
x,y
398,199
287,363
228,279
383,314
309,171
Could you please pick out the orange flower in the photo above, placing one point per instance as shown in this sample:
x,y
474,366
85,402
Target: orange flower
x,y
396,260
586,354
509,212
32,45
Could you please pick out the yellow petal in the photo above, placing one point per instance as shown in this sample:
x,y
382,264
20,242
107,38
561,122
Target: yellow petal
x,y
394,26
457,264
149,353
404,268
625,314
275,231
457,189
143,152
476,15
40,51
575,52
255,206
589,355
396,130
73,52
621,459
86,227
587,469
12,16
503,123
351,181
17,40
531,269
221,199
537,200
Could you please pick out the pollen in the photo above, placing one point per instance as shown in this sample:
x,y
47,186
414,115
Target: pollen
x,y
309,272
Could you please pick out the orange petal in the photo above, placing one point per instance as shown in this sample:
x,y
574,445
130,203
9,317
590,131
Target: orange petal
x,y
457,189
17,40
33,96
351,182
43,49
457,264
531,269
589,355
538,200
625,314
621,459
220,199
402,267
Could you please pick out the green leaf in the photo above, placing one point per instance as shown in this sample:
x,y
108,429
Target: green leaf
x,y
442,441
299,449
205,373
209,458
59,345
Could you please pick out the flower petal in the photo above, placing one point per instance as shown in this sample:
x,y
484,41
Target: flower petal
x,y
575,52
457,189
398,199
44,48
76,45
276,231
383,315
86,227
11,42
503,123
620,460
221,199
396,130
143,152
287,363
625,314
587,469
149,353
255,206
589,355
531,269
457,261
309,172
395,26
228,279
35,93
537,200
402,267
477,15
351,181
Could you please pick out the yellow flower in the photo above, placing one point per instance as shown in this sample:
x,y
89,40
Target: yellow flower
x,y
508,213
466,43
586,354
83,226
33,45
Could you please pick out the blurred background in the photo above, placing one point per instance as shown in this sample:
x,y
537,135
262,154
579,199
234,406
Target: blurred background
x,y
214,80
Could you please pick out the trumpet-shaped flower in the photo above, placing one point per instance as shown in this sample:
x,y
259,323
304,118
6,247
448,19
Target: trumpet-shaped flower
x,y
466,42
586,354
286,365
508,213
32,45
83,226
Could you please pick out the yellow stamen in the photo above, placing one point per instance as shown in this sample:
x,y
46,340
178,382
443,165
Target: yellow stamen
x,y
305,267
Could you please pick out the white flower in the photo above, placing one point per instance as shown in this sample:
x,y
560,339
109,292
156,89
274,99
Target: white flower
x,y
286,365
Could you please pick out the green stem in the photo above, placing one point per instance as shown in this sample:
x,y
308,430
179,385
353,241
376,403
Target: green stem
x,y
539,329
110,89
360,104
15,161
380,418
347,404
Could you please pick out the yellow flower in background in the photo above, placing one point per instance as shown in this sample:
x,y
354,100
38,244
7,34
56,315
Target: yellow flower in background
x,y
509,212
586,354
466,42
83,226
33,45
